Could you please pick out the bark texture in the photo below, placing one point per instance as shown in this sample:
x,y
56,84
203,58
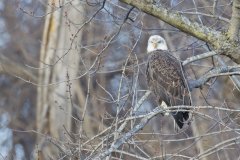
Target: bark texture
x,y
221,42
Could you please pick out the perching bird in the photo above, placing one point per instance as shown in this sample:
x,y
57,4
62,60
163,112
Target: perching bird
x,y
166,78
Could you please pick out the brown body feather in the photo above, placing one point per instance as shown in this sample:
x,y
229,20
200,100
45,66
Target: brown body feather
x,y
166,80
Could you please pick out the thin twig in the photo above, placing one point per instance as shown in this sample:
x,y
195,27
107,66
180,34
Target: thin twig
x,y
198,57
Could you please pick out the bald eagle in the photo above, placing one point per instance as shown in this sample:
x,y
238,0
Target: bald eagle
x,y
166,79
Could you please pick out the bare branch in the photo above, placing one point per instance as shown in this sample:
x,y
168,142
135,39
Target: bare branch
x,y
215,3
235,79
117,143
120,141
218,147
218,71
198,57
233,31
207,15
7,66
218,40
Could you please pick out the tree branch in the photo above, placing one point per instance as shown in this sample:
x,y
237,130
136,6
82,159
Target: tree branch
x,y
117,143
234,78
146,118
198,57
233,31
7,66
218,71
220,41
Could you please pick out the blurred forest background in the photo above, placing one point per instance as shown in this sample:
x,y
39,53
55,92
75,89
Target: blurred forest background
x,y
73,85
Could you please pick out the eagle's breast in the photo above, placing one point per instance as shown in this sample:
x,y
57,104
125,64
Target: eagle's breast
x,y
165,78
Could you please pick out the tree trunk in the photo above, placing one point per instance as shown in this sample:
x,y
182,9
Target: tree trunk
x,y
58,59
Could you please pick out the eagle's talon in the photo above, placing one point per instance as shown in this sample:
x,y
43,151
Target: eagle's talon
x,y
164,106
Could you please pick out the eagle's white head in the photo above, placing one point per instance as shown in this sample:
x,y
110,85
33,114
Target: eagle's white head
x,y
156,42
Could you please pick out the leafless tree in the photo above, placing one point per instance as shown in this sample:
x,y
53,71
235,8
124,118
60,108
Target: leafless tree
x,y
92,99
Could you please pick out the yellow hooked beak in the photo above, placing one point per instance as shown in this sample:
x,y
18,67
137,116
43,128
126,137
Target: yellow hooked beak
x,y
154,45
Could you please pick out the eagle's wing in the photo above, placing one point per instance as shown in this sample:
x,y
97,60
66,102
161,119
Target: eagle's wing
x,y
166,80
